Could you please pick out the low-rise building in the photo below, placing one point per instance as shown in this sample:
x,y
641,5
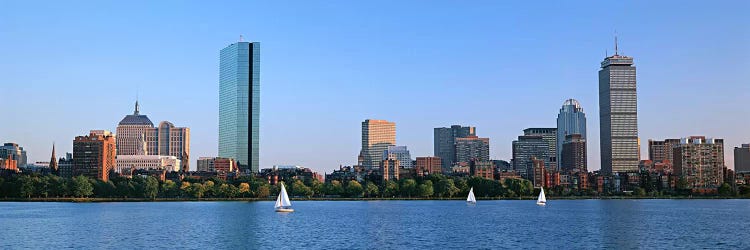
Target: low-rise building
x,y
288,173
147,162
428,165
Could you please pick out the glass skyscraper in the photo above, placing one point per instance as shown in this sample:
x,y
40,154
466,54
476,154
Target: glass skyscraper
x,y
571,120
239,104
445,143
618,115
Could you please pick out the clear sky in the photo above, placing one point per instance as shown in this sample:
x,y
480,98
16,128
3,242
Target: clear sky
x,y
70,66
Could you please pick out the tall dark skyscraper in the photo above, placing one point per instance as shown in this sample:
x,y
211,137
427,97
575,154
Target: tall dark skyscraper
x,y
445,143
571,120
239,104
618,115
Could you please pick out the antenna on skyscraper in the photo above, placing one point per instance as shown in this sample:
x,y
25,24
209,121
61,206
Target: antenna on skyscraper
x,y
616,42
241,39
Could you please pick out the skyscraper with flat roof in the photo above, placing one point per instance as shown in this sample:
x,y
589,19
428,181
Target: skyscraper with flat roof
x,y
239,104
742,159
445,143
618,115
377,136
571,120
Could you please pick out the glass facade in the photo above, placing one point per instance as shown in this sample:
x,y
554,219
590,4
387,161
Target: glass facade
x,y
618,113
239,104
571,120
445,143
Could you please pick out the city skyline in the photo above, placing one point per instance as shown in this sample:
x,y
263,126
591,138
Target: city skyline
x,y
658,84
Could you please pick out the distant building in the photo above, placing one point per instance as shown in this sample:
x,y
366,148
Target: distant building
x,y
574,153
502,165
428,165
618,115
349,173
484,169
206,164
389,167
445,143
14,152
662,151
401,153
539,172
8,164
472,148
526,147
742,159
136,135
66,166
53,166
549,135
94,156
288,173
377,136
147,162
570,120
239,104
700,161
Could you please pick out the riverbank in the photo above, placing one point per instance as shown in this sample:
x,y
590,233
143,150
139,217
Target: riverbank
x,y
68,199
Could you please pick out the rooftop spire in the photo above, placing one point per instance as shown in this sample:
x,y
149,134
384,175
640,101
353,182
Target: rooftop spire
x,y
241,39
616,43
137,108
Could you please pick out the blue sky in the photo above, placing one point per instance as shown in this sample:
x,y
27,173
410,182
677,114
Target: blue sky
x,y
68,67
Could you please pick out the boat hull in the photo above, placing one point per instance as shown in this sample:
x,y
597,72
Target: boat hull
x,y
541,203
284,210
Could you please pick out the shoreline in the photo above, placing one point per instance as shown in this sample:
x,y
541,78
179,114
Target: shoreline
x,y
86,200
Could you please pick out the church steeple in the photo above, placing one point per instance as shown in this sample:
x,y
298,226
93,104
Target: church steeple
x,y
53,161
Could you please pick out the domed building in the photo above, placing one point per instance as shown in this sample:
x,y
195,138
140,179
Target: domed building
x,y
570,121
136,135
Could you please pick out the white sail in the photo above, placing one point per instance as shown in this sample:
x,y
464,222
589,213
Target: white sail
x,y
284,198
542,199
471,196
278,202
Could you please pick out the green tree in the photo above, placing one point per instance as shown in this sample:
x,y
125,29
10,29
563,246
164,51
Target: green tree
x,y
151,187
725,189
408,187
25,186
82,187
446,188
209,189
639,191
371,190
390,188
300,189
197,190
317,187
425,189
263,191
354,189
334,188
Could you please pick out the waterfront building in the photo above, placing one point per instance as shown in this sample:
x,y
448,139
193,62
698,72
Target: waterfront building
x,y
472,148
389,167
8,164
445,143
570,120
401,153
127,163
526,147
540,172
288,173
662,151
618,115
484,169
377,136
66,166
206,164
94,156
428,165
14,152
742,159
574,153
349,173
136,135
700,160
549,135
239,104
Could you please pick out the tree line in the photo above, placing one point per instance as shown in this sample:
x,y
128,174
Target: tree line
x,y
433,186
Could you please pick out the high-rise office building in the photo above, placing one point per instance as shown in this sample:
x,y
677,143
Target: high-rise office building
x,y
136,135
570,120
401,153
472,148
239,104
14,152
742,159
445,143
574,154
549,135
618,115
700,161
94,155
377,136
661,153
526,148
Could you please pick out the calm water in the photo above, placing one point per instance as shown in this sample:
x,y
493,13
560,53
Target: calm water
x,y
571,224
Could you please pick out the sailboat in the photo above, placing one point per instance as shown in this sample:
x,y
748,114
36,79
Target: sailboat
x,y
282,202
471,199
542,200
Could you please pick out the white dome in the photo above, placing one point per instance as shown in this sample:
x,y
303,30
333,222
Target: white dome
x,y
572,102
